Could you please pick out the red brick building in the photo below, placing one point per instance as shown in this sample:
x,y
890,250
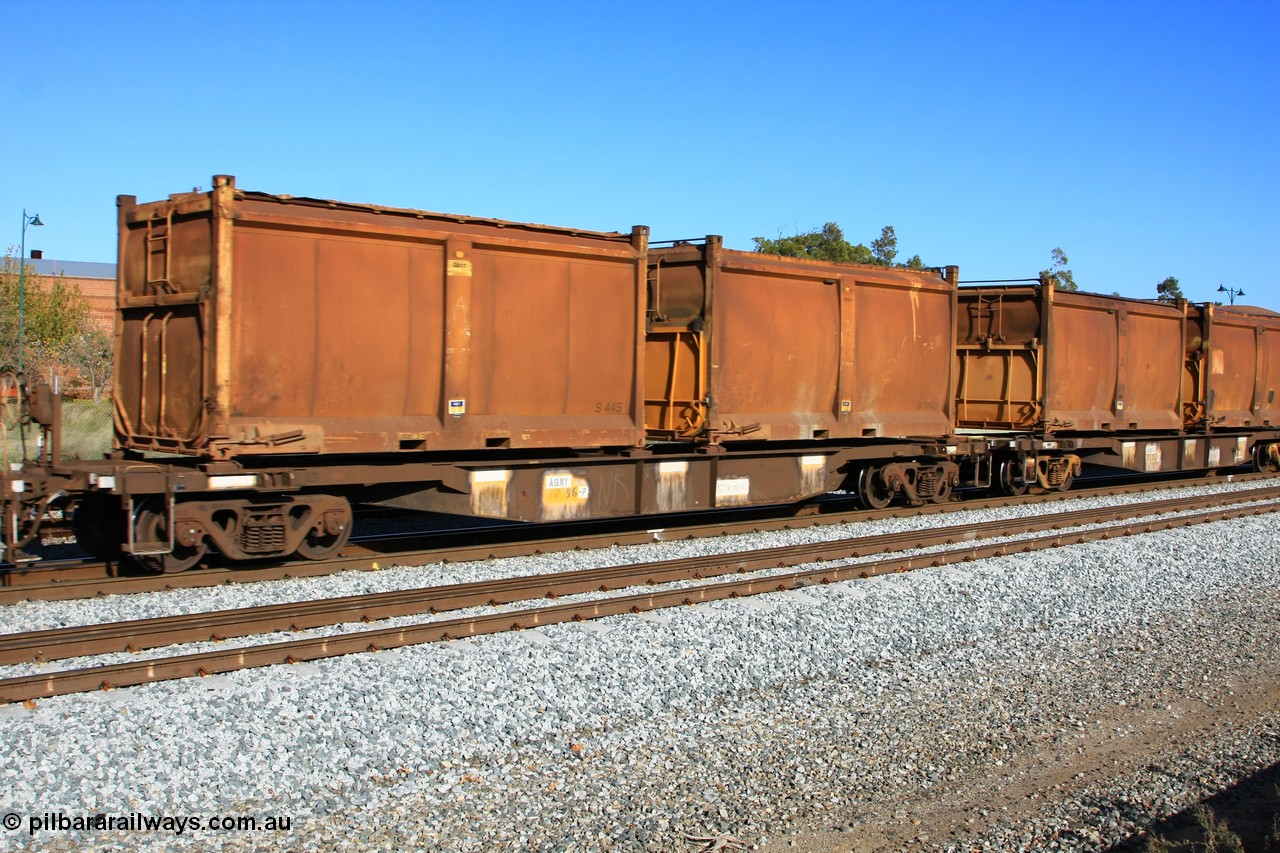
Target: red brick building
x,y
97,283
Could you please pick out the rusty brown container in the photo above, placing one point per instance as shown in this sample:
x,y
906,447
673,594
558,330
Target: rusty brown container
x,y
747,346
252,323
1232,367
1036,358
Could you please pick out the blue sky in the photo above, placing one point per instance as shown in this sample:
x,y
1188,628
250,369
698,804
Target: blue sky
x,y
1142,138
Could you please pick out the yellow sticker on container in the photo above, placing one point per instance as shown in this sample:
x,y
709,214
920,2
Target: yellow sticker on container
x,y
462,268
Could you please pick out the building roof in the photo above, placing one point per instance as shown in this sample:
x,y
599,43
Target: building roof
x,y
73,269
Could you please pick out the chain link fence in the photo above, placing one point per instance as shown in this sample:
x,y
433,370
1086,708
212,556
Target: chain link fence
x,y
86,428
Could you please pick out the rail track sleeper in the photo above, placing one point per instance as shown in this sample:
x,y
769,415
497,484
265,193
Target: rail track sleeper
x,y
17,648
361,560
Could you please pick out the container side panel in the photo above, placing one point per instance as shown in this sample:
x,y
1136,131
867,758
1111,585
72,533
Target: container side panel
x,y
904,354
1232,369
1153,371
341,329
1082,358
553,337
775,353
603,339
363,336
520,335
274,338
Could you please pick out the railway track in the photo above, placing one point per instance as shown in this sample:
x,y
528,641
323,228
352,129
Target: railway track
x,y
67,580
137,635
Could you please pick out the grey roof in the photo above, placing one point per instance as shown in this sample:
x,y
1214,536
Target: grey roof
x,y
74,269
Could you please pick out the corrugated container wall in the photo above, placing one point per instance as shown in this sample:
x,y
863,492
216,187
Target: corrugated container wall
x,y
1037,358
252,323
747,346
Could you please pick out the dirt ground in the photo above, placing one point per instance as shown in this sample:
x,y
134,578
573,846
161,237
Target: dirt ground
x,y
1061,768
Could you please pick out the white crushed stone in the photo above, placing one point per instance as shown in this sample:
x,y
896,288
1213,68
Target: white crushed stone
x,y
749,718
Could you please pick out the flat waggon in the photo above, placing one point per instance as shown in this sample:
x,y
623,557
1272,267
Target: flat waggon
x,y
279,360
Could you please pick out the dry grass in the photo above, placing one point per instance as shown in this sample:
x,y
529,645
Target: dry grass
x,y
86,431
1218,837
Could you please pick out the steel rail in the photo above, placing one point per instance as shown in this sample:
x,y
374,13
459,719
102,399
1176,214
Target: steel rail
x,y
146,671
139,634
26,586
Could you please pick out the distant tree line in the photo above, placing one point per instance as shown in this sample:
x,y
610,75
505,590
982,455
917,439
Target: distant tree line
x,y
828,243
60,342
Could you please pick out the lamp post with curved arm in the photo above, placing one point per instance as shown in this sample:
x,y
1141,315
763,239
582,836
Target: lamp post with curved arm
x,y
22,281
1231,292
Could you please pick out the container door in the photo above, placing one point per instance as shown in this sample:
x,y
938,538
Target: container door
x,y
164,282
999,370
675,355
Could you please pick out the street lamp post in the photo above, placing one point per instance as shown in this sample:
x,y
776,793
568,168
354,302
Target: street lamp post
x,y
22,280
1231,292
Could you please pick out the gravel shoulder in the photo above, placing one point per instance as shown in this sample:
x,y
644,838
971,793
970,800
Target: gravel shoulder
x,y
1072,789
1136,676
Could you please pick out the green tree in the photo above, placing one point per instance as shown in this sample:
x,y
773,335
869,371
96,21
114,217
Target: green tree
x,y
1168,290
89,353
53,312
824,244
885,247
1058,272
828,243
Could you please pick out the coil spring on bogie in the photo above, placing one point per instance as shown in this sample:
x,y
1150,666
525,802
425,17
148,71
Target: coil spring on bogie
x,y
1056,473
262,540
927,483
263,534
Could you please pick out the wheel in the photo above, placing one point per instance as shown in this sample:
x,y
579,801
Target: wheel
x,y
1262,461
1068,479
871,490
334,531
151,524
1007,483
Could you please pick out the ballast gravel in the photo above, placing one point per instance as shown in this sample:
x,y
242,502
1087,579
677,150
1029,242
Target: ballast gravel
x,y
830,710
40,615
